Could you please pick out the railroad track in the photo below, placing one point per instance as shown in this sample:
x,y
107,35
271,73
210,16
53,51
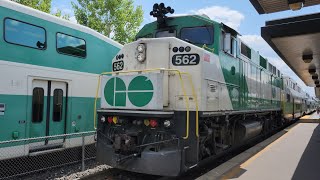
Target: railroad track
x,y
204,167
117,174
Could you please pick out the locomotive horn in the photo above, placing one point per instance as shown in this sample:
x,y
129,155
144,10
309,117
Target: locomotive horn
x,y
159,12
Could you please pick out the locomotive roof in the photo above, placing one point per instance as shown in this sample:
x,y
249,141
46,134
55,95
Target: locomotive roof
x,y
203,17
153,25
48,17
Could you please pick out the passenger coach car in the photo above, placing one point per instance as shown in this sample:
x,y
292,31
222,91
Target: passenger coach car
x,y
49,69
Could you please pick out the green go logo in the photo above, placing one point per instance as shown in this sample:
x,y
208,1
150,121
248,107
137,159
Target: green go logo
x,y
140,91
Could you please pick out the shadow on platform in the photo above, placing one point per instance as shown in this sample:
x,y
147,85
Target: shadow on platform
x,y
309,164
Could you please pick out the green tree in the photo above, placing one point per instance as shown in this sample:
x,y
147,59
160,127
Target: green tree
x,y
42,5
117,19
59,14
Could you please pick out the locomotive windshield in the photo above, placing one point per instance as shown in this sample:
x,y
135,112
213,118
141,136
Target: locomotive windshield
x,y
168,33
197,35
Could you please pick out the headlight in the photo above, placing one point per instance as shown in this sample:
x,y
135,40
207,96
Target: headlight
x,y
167,123
141,48
141,57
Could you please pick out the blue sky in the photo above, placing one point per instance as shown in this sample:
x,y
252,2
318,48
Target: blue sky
x,y
239,14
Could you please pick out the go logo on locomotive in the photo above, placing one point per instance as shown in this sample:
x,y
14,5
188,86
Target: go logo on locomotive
x,y
131,91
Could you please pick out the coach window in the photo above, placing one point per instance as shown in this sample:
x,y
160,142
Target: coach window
x,y
70,45
197,35
57,104
24,34
37,105
288,98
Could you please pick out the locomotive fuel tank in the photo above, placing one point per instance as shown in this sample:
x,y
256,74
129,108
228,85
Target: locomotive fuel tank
x,y
247,130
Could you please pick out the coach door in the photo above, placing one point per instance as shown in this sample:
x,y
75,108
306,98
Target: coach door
x,y
49,105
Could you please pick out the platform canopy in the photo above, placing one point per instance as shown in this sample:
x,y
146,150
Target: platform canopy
x,y
297,41
271,6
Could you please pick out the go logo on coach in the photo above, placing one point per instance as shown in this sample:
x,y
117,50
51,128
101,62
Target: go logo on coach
x,y
140,91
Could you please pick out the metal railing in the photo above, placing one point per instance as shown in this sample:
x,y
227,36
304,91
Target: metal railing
x,y
25,157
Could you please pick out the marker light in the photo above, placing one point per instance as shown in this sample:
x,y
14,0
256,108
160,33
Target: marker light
x,y
175,49
153,123
110,119
103,119
188,49
115,119
167,123
146,122
141,48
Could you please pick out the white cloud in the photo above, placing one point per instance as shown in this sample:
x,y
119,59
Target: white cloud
x,y
226,15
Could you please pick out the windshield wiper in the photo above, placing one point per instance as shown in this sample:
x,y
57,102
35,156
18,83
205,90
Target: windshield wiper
x,y
189,41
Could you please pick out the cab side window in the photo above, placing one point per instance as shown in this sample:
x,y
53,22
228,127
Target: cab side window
x,y
229,44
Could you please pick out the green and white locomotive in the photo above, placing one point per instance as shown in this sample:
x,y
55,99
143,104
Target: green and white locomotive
x,y
48,73
186,90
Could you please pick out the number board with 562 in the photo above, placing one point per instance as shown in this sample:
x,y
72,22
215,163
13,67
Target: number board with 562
x,y
118,66
185,59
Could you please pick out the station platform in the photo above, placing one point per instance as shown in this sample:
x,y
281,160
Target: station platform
x,y
293,153
313,118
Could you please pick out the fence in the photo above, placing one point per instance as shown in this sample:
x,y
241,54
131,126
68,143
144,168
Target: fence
x,y
26,156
